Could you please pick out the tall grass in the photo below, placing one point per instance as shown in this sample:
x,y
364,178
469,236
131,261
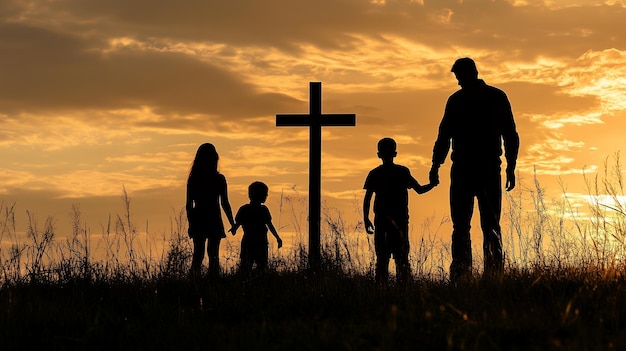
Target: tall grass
x,y
572,231
538,233
124,288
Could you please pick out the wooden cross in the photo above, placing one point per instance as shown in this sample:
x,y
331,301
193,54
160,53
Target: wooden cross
x,y
315,120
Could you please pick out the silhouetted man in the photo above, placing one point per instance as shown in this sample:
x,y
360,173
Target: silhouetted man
x,y
477,119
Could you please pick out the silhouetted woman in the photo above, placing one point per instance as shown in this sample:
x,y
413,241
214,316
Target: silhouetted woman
x,y
206,191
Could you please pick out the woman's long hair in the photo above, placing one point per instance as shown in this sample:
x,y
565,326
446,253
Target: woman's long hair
x,y
205,162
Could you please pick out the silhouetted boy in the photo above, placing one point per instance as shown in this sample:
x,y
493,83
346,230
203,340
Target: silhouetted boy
x,y
390,182
255,218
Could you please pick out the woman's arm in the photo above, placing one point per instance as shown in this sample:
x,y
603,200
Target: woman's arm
x,y
226,204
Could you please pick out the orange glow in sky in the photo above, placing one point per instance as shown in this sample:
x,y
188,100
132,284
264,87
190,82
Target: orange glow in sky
x,y
100,95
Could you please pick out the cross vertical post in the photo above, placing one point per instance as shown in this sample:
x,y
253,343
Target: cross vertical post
x,y
315,120
315,174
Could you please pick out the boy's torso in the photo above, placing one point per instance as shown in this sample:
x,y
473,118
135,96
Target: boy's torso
x,y
389,184
253,219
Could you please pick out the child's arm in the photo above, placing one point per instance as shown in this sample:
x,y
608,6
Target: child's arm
x,y
367,200
420,189
275,233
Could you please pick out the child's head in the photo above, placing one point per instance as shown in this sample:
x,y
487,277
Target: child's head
x,y
257,192
387,148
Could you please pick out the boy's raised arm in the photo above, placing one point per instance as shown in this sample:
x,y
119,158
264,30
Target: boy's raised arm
x,y
420,189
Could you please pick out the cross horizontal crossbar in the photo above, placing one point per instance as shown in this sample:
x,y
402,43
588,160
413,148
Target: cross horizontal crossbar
x,y
301,120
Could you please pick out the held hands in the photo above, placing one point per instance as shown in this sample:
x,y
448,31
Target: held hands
x,y
430,187
233,230
433,175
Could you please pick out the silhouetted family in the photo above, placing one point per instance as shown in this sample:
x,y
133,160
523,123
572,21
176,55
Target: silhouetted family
x,y
477,121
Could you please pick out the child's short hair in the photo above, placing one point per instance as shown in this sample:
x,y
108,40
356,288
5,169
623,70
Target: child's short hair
x,y
257,191
386,146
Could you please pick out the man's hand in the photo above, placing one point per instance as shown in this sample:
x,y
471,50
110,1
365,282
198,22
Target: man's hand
x,y
510,178
369,227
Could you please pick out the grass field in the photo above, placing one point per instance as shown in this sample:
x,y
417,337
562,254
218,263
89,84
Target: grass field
x,y
537,310
564,289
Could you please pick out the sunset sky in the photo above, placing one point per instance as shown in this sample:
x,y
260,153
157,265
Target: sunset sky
x,y
100,95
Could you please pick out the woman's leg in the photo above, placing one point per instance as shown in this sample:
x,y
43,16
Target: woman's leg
x,y
198,256
213,250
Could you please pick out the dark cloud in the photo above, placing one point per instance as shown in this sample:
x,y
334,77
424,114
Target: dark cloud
x,y
47,70
284,23
514,32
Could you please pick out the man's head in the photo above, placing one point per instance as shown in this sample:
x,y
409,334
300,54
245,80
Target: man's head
x,y
465,71
387,148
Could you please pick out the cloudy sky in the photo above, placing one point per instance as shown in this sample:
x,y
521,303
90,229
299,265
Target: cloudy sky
x,y
100,95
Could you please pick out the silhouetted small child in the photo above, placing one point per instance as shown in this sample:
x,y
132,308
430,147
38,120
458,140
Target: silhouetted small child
x,y
390,182
255,218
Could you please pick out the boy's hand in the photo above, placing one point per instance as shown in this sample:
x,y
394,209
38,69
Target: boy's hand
x,y
369,227
280,242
